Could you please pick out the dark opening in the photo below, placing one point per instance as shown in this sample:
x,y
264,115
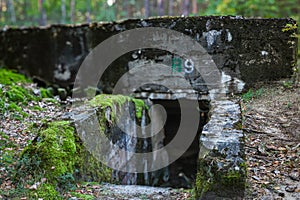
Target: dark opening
x,y
182,172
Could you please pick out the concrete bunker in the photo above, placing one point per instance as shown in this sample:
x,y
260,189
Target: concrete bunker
x,y
244,50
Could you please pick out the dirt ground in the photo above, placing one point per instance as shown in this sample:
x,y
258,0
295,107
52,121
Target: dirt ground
x,y
271,121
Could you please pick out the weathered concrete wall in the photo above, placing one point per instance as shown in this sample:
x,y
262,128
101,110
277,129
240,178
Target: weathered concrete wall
x,y
248,49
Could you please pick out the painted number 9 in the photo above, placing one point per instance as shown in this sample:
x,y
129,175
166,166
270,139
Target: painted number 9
x,y
188,66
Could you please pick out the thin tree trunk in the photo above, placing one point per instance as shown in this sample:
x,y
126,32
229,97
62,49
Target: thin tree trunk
x,y
195,7
72,11
128,8
1,13
11,8
88,12
160,6
147,8
186,7
63,11
43,14
171,5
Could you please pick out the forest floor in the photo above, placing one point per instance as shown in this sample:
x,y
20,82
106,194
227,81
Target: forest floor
x,y
271,123
271,118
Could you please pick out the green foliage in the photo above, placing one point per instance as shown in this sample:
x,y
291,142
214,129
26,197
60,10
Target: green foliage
x,y
288,84
14,94
8,77
289,27
251,94
29,13
266,8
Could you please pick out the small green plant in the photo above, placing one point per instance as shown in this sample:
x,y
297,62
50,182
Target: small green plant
x,y
251,94
288,84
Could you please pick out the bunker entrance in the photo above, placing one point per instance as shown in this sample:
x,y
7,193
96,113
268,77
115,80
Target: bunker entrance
x,y
182,172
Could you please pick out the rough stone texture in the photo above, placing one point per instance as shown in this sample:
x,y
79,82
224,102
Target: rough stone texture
x,y
222,169
248,49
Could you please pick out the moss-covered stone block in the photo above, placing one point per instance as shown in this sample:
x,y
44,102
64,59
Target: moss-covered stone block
x,y
222,169
61,152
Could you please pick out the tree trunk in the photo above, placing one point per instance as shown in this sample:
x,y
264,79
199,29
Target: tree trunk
x,y
160,6
128,7
43,14
147,8
72,11
186,7
195,7
63,11
11,8
171,5
88,12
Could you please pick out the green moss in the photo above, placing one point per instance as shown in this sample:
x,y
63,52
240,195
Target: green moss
x,y
231,177
139,107
9,77
224,182
46,191
58,155
82,196
106,100
17,111
115,101
51,100
89,168
14,107
55,147
46,93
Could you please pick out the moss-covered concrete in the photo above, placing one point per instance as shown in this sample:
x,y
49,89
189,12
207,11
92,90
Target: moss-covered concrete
x,y
113,101
59,154
214,181
222,168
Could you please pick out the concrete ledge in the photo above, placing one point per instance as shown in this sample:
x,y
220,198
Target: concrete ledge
x,y
221,168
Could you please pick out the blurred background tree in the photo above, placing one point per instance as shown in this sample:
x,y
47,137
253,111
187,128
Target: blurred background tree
x,y
43,12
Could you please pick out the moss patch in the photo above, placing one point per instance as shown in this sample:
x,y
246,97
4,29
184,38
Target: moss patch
x,y
55,146
223,182
51,155
82,196
115,101
139,107
58,155
14,94
46,191
9,77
